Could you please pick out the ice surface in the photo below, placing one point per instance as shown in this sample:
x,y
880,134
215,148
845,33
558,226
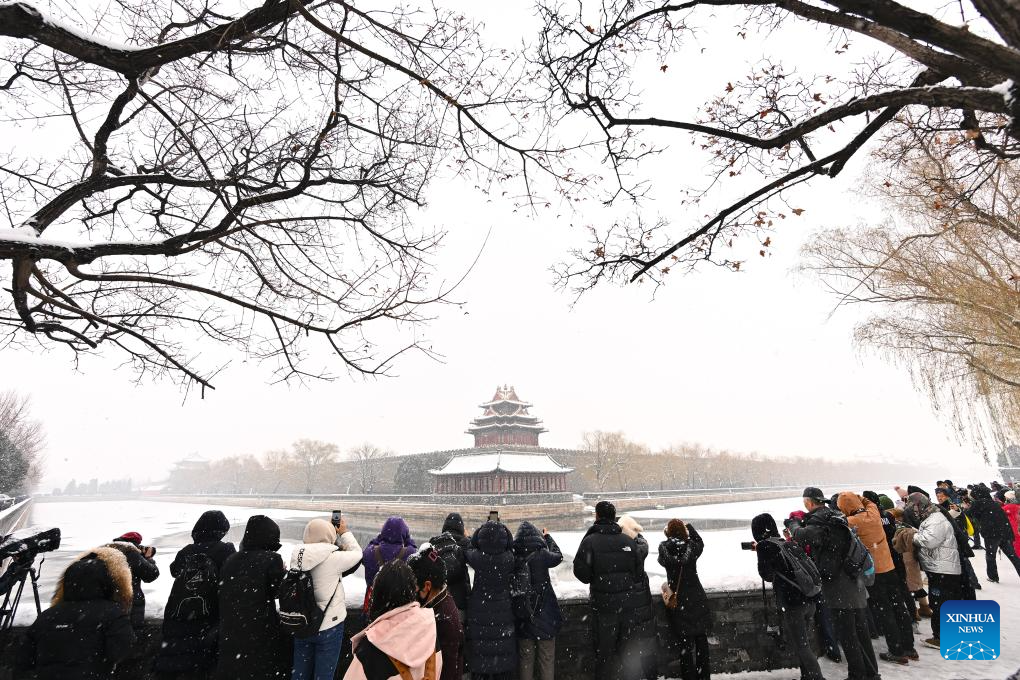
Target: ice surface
x,y
724,566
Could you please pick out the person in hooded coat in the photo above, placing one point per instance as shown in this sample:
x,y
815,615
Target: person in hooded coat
x,y
938,554
640,647
143,570
491,629
691,620
393,543
328,553
400,640
433,594
536,637
252,644
607,561
995,530
452,544
903,544
87,629
886,594
796,611
189,639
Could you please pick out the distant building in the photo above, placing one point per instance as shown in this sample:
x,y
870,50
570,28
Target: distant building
x,y
506,458
1009,464
189,475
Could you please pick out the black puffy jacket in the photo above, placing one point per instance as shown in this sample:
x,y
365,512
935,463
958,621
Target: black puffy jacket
x,y
191,645
771,565
607,560
252,644
491,629
541,554
680,558
452,545
87,630
992,520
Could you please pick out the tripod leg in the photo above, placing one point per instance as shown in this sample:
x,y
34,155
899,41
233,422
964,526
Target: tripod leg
x,y
35,591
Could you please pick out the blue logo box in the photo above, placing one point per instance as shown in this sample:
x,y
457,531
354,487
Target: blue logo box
x,y
969,630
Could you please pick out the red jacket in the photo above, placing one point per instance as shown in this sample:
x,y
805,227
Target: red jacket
x,y
1012,511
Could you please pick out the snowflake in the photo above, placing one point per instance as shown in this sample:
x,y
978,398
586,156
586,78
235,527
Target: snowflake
x,y
966,651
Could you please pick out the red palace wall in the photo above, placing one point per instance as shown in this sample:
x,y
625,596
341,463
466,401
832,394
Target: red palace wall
x,y
498,437
501,483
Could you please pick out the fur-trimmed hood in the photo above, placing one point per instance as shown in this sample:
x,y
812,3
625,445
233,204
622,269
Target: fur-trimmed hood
x,y
100,573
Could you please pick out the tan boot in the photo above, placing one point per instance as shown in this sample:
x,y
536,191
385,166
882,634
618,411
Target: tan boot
x,y
923,609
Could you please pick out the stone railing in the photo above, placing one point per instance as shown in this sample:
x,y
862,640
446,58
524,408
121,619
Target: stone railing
x,y
15,515
739,642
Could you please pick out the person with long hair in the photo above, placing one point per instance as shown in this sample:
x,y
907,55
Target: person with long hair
x,y
691,620
400,640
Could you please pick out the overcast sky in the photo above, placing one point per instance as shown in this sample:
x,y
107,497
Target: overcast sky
x,y
754,361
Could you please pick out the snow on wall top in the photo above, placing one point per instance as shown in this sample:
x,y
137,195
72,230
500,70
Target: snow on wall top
x,y
500,462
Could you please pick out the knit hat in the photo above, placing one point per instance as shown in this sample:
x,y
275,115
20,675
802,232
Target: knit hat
x,y
630,526
814,493
764,526
132,537
676,529
319,531
261,533
211,526
1011,496
605,510
885,502
871,496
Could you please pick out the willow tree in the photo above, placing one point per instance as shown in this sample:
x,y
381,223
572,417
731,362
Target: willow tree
x,y
245,178
943,279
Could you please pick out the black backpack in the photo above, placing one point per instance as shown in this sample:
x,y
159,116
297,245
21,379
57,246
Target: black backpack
x,y
195,592
300,614
524,597
801,572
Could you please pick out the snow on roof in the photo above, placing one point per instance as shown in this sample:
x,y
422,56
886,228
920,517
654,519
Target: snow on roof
x,y
500,461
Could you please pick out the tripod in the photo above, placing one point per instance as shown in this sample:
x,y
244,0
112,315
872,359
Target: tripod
x,y
12,584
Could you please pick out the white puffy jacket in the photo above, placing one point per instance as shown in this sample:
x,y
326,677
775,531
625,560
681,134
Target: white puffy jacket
x,y
328,564
937,542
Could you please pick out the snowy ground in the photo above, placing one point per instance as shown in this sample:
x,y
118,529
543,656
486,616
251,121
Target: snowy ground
x,y
724,566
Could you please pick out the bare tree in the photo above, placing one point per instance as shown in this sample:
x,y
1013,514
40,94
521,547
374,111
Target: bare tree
x,y
246,178
367,459
607,456
944,281
313,457
947,67
22,441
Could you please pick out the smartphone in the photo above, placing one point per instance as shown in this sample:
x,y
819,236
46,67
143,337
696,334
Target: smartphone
x,y
336,518
493,515
747,545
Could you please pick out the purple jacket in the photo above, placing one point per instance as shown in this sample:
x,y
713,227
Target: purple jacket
x,y
394,536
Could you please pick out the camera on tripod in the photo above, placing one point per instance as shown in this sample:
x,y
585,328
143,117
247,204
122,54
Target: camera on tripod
x,y
17,555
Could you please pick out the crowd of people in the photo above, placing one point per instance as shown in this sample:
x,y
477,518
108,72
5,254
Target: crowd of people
x,y
866,566
856,567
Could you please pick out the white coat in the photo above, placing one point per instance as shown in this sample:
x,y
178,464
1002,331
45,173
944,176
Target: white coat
x,y
936,539
328,565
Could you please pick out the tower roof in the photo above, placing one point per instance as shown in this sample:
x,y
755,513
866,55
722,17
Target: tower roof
x,y
507,411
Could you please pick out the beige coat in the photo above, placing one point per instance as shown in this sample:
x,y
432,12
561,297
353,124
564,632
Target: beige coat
x,y
903,542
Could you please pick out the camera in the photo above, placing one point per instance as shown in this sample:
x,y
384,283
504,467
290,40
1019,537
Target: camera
x,y
493,515
31,541
17,553
335,518
747,545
